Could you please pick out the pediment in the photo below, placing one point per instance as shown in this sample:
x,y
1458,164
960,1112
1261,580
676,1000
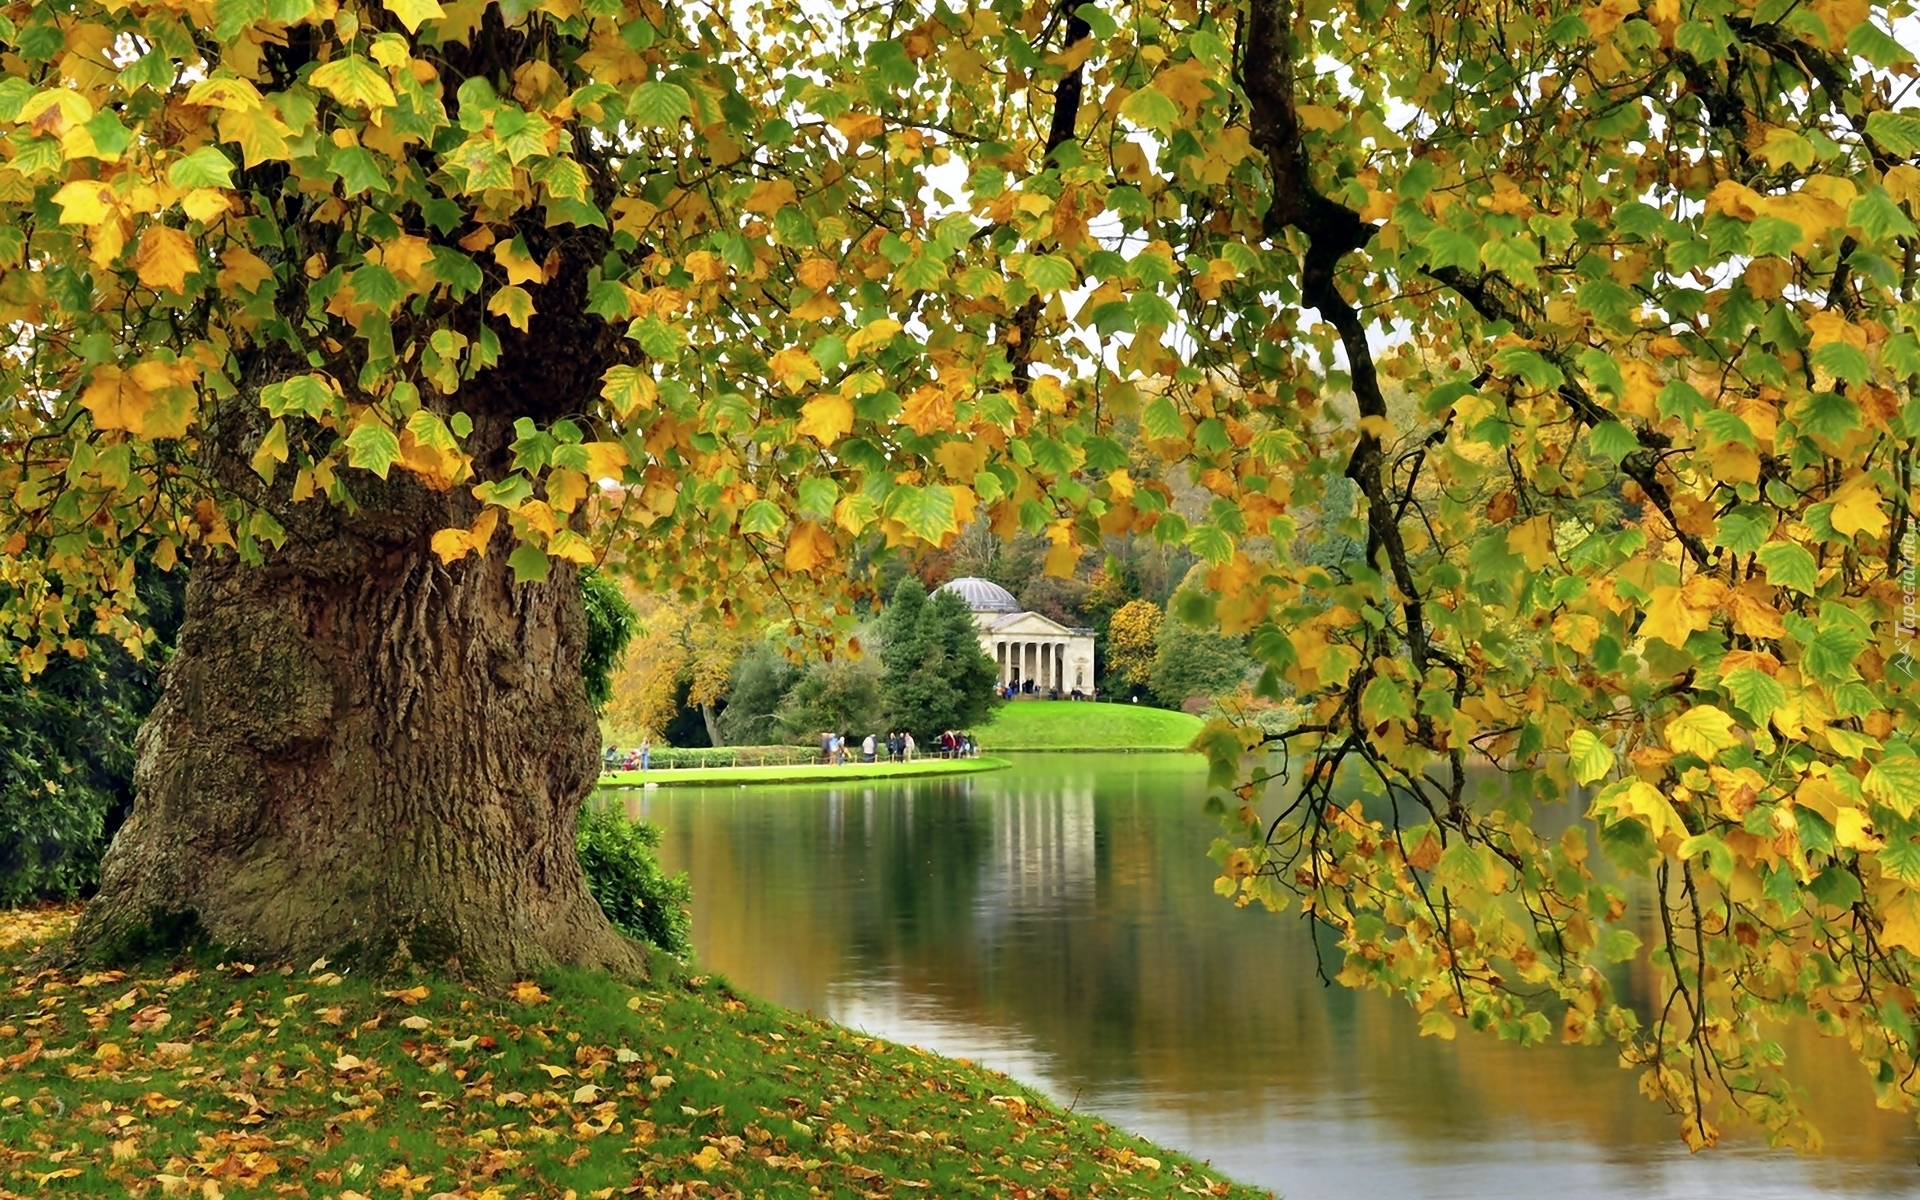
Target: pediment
x,y
1029,624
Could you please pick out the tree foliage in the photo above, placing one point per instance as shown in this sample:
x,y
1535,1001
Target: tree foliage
x,y
937,676
1647,271
610,626
1132,637
1188,663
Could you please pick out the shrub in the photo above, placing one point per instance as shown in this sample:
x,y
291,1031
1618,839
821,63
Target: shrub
x,y
624,875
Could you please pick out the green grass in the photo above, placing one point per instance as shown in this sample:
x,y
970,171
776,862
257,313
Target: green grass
x,y
813,773
201,1078
1067,725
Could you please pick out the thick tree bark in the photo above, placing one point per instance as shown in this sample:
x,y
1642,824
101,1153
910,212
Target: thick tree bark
x,y
382,767
363,753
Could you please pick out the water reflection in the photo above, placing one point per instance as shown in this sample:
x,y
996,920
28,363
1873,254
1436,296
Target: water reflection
x,y
1057,922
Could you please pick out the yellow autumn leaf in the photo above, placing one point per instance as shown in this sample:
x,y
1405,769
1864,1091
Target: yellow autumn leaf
x,y
513,303
708,1158
204,204
414,13
817,272
115,400
85,202
795,368
554,1072
1858,508
242,270
518,264
1532,540
808,546
1674,612
1636,798
1702,730
165,258
872,334
355,82
1899,909
769,196
826,418
225,92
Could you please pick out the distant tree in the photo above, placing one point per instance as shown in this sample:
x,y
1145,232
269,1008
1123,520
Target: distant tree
x,y
761,679
842,696
937,676
683,660
1190,662
1132,642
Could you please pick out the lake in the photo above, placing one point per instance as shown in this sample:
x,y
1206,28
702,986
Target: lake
x,y
1057,922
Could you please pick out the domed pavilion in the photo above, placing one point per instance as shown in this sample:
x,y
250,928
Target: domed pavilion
x,y
1037,655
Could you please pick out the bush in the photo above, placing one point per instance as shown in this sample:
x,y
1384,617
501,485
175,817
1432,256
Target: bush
x,y
668,758
624,875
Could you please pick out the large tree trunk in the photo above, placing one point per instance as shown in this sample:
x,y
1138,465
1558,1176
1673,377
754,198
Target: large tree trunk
x,y
383,767
363,753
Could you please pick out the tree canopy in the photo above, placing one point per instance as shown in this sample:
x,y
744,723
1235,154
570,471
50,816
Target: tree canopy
x,y
812,282
937,676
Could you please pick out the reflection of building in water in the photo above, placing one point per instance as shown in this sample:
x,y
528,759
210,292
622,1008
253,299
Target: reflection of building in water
x,y
1043,850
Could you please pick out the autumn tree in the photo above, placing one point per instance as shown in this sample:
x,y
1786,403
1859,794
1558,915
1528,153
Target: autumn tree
x,y
355,307
682,657
1132,637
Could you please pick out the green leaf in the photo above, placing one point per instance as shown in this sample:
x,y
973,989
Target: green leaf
x,y
926,511
1152,109
921,273
1896,132
1755,693
355,82
762,517
1618,945
1590,757
529,564
658,104
1447,247
1790,566
303,395
1843,361
1895,780
1211,543
373,447
1612,441
205,167
1870,42
1383,701
1878,216
1049,273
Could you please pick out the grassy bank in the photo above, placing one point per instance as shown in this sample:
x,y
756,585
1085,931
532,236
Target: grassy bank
x,y
237,1081
814,773
1067,725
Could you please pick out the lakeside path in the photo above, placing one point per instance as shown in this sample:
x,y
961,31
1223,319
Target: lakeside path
x,y
801,774
200,1076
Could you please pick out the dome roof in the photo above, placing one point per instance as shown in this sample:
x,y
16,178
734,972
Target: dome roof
x,y
983,595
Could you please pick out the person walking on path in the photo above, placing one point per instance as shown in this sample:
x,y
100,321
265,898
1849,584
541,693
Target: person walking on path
x,y
907,745
866,750
646,752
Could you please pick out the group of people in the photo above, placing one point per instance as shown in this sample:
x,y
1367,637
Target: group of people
x,y
898,746
639,759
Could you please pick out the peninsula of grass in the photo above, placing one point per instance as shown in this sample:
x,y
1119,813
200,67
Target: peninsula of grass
x,y
802,773
1028,725
209,1078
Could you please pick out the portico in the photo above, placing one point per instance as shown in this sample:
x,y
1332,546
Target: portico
x,y
1029,649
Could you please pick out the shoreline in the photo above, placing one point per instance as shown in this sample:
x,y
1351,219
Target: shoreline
x,y
852,772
